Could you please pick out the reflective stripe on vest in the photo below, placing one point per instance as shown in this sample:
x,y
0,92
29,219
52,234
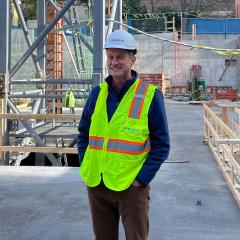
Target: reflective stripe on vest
x,y
128,147
96,142
138,100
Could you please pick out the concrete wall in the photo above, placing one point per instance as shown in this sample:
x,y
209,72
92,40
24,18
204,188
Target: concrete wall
x,y
157,57
176,61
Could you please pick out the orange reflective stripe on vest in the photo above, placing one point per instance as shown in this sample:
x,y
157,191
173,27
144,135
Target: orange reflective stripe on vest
x,y
138,100
128,147
96,142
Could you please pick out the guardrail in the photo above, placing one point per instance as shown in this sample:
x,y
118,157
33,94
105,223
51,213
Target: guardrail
x,y
221,132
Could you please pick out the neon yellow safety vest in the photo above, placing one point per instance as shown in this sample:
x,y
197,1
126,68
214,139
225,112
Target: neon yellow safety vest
x,y
69,100
118,149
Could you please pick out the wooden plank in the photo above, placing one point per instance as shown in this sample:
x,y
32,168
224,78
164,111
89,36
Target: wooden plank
x,y
233,161
227,141
236,110
224,103
40,116
219,122
228,179
38,149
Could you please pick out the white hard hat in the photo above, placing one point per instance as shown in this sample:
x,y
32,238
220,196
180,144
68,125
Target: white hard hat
x,y
120,39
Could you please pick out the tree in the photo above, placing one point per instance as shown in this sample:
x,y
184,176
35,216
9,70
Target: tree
x,y
131,8
154,5
29,8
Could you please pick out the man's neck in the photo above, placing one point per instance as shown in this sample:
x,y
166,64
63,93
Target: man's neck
x,y
119,82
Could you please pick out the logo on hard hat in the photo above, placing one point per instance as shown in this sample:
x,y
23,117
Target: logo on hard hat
x,y
117,40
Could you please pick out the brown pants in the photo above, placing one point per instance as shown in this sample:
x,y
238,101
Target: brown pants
x,y
107,206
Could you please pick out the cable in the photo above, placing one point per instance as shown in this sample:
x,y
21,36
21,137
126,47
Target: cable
x,y
221,51
186,161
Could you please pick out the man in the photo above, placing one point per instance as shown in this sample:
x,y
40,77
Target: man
x,y
123,140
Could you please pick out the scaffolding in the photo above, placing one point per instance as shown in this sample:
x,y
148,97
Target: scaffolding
x,y
48,82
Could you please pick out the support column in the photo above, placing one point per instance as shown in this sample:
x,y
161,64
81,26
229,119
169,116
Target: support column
x,y
27,37
118,16
41,56
41,21
112,17
98,41
4,72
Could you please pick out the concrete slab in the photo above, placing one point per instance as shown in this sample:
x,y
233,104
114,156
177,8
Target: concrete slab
x,y
189,199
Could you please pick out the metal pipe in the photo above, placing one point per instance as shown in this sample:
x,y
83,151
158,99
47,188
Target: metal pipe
x,y
118,15
50,96
79,40
29,91
58,81
74,43
70,54
33,133
98,41
4,39
40,38
41,51
113,13
27,37
36,106
5,51
62,90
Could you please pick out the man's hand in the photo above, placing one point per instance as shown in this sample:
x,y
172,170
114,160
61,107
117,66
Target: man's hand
x,y
136,184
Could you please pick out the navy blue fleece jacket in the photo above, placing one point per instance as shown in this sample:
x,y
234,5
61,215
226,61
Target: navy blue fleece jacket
x,y
157,123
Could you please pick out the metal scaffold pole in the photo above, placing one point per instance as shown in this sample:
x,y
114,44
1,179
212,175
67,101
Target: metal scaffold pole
x,y
4,71
27,37
116,14
98,40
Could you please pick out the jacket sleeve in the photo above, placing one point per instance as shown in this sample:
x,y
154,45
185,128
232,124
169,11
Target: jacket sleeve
x,y
159,138
85,122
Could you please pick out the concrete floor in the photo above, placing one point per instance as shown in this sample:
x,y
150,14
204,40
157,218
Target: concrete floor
x,y
50,203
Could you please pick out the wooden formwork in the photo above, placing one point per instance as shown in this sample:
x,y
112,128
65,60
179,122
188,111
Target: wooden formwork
x,y
221,129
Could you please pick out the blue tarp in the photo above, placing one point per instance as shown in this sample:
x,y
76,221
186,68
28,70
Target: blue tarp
x,y
213,26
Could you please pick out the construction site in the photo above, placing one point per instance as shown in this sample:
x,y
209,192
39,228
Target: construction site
x,y
48,68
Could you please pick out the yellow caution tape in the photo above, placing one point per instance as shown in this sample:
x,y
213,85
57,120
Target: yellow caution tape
x,y
228,52
215,50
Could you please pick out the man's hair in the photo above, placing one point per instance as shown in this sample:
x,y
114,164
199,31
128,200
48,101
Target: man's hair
x,y
132,52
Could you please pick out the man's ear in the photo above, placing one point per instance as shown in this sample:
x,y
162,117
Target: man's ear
x,y
133,58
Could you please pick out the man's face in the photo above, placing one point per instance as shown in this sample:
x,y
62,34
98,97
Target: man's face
x,y
119,62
